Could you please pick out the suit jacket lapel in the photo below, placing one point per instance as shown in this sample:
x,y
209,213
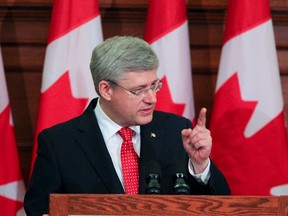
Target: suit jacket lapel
x,y
92,143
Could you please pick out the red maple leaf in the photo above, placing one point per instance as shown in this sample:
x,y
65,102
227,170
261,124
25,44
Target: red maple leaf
x,y
165,102
57,105
251,165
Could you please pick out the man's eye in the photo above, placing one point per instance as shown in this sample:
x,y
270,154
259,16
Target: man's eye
x,y
138,89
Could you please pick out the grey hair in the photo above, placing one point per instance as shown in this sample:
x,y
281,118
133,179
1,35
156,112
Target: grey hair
x,y
119,55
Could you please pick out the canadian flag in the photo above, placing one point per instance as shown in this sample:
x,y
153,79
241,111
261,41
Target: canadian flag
x,y
167,32
12,188
248,124
67,84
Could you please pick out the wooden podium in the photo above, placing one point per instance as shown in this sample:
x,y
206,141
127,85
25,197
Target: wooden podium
x,y
92,204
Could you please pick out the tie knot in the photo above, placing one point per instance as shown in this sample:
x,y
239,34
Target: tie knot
x,y
126,133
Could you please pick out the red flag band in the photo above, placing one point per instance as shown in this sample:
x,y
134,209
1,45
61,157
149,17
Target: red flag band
x,y
12,186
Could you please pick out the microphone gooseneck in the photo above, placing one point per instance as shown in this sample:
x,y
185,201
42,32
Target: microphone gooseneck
x,y
180,176
151,169
153,178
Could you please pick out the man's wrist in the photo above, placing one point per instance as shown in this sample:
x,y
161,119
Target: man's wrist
x,y
202,177
199,168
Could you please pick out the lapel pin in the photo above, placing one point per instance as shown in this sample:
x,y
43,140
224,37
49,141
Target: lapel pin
x,y
153,135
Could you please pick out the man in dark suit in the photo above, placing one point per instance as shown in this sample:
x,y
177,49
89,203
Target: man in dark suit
x,y
84,155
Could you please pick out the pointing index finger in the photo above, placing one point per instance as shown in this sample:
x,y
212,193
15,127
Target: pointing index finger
x,y
201,121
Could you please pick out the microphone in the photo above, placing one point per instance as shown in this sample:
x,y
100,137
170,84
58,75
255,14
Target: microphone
x,y
180,176
153,178
151,169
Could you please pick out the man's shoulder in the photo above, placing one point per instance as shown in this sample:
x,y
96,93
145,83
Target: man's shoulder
x,y
168,122
65,125
160,116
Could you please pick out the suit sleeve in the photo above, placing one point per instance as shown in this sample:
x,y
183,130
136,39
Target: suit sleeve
x,y
217,184
44,180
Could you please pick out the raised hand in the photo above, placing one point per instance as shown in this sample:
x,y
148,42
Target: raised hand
x,y
197,143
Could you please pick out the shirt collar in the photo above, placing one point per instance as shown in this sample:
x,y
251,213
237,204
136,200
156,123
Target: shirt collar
x,y
107,126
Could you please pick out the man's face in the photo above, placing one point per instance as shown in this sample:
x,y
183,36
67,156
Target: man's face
x,y
127,109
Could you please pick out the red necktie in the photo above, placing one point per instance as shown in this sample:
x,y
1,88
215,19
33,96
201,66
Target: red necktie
x,y
129,160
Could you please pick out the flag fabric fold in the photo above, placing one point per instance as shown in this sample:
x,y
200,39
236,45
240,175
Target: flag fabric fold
x,y
167,32
248,123
67,84
12,188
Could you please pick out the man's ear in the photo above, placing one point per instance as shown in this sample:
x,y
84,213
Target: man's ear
x,y
105,90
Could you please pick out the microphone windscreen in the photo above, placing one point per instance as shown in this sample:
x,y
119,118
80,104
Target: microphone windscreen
x,y
153,178
150,169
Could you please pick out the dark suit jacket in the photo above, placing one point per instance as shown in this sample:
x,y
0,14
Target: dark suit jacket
x,y
72,158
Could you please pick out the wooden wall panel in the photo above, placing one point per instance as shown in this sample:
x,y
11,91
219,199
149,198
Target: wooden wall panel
x,y
24,26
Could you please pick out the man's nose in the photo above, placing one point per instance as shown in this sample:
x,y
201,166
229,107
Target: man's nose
x,y
150,96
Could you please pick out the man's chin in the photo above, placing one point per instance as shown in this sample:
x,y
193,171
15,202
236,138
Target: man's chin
x,y
145,119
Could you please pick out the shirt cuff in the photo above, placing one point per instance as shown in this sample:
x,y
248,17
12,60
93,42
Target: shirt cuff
x,y
201,178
